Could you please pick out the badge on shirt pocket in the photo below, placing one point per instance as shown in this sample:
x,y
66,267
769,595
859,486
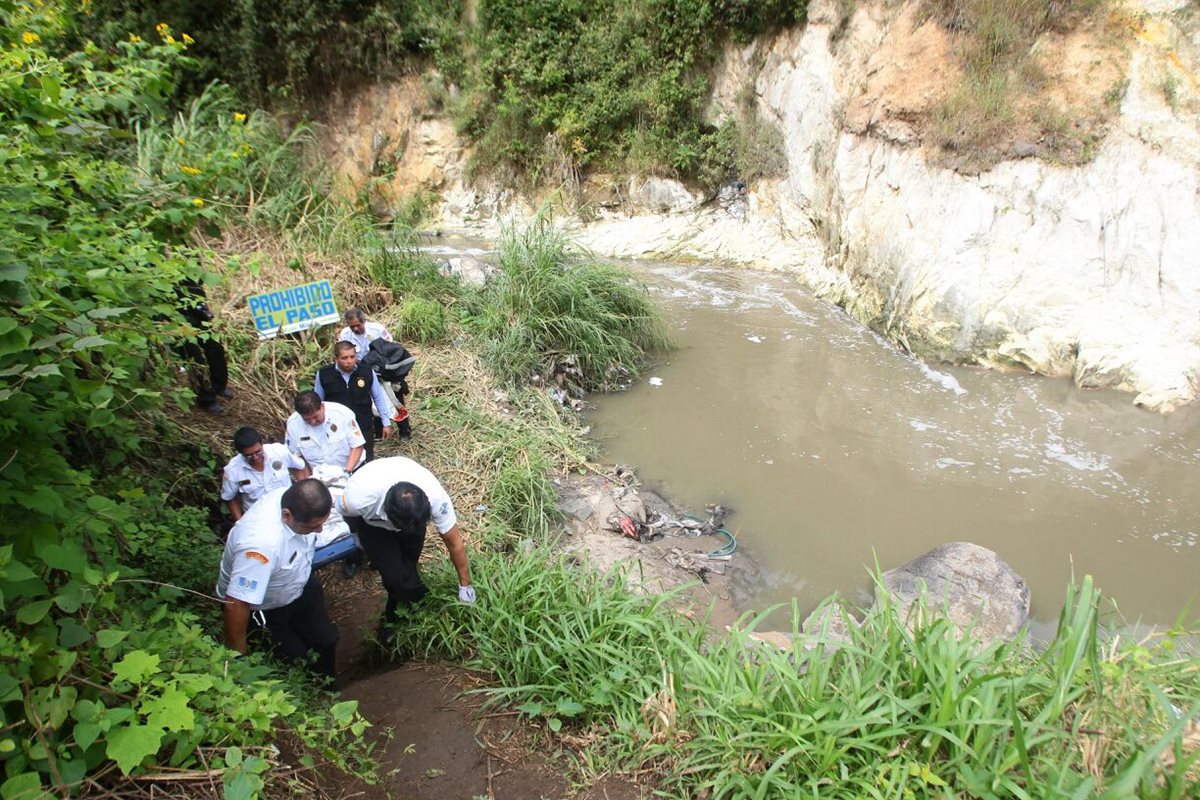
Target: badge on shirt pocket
x,y
361,383
276,465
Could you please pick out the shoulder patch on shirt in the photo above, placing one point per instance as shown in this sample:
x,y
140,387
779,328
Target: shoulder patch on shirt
x,y
276,465
444,508
257,556
247,584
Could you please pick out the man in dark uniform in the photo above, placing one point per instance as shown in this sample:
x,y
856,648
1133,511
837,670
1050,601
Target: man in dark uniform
x,y
353,385
203,350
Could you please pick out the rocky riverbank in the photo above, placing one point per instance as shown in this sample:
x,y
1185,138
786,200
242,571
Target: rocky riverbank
x,y
1024,255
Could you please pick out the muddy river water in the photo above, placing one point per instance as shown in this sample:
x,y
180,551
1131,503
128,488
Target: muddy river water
x,y
837,451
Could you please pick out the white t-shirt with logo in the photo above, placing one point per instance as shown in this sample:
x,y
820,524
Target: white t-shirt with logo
x,y
362,341
327,443
265,563
368,486
241,478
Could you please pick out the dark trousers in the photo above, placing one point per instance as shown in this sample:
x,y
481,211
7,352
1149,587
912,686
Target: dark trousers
x,y
303,625
207,352
366,424
395,555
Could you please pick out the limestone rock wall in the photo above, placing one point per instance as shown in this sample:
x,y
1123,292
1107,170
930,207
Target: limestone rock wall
x,y
1089,271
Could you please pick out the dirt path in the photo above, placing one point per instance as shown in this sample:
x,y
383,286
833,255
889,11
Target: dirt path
x,y
433,743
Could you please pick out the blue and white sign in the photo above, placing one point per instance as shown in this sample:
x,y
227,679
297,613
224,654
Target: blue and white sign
x,y
296,309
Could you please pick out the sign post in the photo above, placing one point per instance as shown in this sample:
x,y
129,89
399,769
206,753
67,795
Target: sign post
x,y
296,309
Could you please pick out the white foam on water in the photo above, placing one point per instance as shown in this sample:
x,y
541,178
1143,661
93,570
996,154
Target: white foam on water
x,y
755,339
941,378
655,381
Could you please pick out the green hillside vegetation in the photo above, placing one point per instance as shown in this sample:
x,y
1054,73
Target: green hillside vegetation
x,y
124,174
542,88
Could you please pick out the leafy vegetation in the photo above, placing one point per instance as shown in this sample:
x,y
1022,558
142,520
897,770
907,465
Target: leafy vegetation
x,y
106,671
554,310
538,86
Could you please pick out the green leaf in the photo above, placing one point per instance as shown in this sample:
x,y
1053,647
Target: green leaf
x,y
85,342
33,613
10,688
531,708
136,667
555,724
105,313
233,756
68,557
13,340
130,745
568,708
71,633
49,341
42,370
343,712
26,786
110,637
170,711
16,571
51,88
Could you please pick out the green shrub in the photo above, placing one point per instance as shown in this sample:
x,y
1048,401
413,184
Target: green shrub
x,y
553,308
422,320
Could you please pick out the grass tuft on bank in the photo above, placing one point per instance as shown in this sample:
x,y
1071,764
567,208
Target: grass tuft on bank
x,y
556,310
894,712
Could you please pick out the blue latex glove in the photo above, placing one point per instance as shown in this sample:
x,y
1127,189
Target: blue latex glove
x,y
466,594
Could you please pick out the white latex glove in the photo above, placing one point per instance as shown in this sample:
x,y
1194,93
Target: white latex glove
x,y
466,594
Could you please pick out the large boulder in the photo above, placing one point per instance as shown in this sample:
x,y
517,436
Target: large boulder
x,y
970,585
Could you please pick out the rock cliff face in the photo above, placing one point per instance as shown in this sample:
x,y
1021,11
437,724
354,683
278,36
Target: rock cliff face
x,y
1085,266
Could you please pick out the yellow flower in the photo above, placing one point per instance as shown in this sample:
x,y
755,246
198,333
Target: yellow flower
x,y
189,170
188,40
197,202
133,37
170,39
180,140
239,117
29,37
162,29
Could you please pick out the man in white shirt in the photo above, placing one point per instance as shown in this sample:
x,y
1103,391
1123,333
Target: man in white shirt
x,y
324,433
360,332
393,500
257,469
267,566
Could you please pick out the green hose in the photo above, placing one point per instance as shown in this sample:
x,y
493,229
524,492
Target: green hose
x,y
728,549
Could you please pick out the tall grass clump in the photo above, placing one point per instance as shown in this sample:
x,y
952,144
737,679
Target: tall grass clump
x,y
904,708
554,308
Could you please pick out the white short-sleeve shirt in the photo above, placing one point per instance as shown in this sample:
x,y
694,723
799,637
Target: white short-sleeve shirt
x,y
241,478
327,443
265,563
368,486
362,341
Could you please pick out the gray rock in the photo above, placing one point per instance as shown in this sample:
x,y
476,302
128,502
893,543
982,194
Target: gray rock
x,y
1024,149
972,586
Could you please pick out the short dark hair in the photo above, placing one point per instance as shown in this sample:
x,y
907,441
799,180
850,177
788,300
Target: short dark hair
x,y
308,500
340,347
407,508
355,314
246,437
307,402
